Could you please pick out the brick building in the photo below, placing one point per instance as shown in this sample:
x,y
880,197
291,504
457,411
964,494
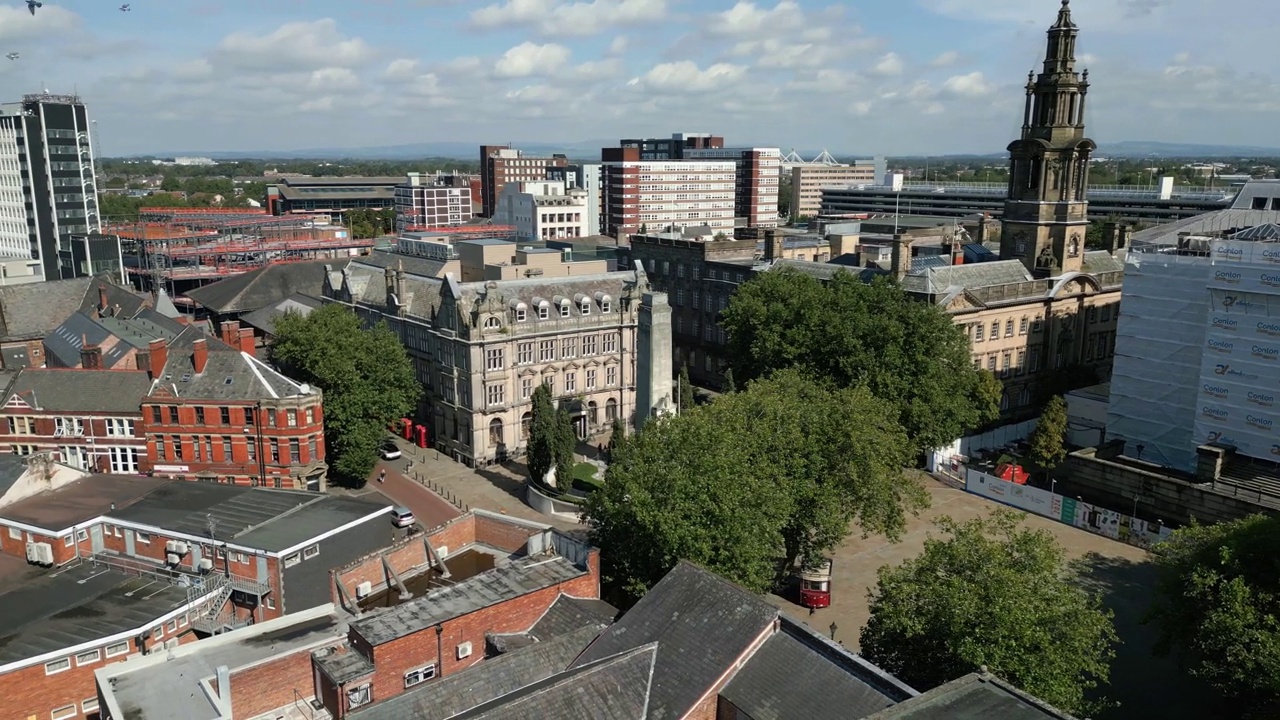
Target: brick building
x,y
216,412
757,177
211,558
29,313
501,164
642,194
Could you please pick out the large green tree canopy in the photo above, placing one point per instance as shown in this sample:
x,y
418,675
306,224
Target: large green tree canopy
x,y
367,379
1217,607
906,352
997,594
774,472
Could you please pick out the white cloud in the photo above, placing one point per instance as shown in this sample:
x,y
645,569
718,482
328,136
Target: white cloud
x,y
16,24
333,79
685,77
747,18
945,59
888,65
559,18
970,85
619,45
295,46
529,59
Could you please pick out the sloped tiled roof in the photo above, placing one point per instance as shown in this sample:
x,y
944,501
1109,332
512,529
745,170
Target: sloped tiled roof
x,y
265,318
31,311
115,335
73,390
228,375
259,288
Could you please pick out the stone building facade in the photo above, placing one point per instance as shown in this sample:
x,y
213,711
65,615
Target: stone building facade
x,y
480,348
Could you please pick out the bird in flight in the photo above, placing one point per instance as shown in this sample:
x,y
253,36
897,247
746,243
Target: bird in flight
x,y
125,8
33,4
12,56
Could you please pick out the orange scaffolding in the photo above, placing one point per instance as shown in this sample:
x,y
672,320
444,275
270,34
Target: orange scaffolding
x,y
197,244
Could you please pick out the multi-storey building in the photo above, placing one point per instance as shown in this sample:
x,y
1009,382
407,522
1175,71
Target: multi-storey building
x,y
519,318
331,195
642,195
674,147
808,180
48,189
501,164
145,565
544,210
422,204
585,177
755,196
216,412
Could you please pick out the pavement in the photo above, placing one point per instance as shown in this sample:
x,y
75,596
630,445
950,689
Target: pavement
x,y
429,508
1121,574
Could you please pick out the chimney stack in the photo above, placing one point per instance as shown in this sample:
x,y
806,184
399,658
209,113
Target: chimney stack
x,y
1116,237
772,245
90,354
158,356
231,332
248,344
901,256
102,299
199,354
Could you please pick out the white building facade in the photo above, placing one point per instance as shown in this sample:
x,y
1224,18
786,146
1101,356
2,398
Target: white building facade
x,y
423,204
757,173
657,195
544,210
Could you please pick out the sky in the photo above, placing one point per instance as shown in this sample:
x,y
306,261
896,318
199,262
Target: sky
x,y
860,77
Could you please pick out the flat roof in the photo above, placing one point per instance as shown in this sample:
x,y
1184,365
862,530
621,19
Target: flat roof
x,y
77,604
520,577
167,686
84,499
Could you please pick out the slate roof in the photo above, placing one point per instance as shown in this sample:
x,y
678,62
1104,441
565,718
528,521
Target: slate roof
x,y
796,674
81,391
701,623
411,264
265,318
115,335
29,312
518,578
262,518
986,274
54,611
1101,261
566,615
12,467
618,687
1269,232
259,288
972,697
229,375
367,287
491,679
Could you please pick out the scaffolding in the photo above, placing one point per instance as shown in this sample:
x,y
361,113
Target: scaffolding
x,y
181,248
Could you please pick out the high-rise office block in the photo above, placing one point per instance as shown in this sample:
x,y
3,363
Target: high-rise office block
x,y
48,190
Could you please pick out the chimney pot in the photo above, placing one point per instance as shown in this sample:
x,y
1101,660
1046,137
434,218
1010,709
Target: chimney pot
x,y
231,332
247,343
157,356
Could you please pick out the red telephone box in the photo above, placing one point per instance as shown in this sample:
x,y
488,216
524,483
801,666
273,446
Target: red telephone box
x,y
407,427
815,584
422,435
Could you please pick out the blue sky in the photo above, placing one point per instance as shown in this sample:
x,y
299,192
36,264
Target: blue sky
x,y
865,76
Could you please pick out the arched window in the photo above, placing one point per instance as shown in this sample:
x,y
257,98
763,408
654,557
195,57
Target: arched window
x,y
610,410
593,413
495,433
526,423
492,323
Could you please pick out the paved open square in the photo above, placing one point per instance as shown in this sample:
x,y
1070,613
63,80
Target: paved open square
x,y
1120,573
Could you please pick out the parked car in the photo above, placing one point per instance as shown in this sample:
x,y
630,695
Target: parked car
x,y
389,451
402,517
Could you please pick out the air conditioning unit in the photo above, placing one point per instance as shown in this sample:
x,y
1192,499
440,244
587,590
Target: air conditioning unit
x,y
206,564
181,548
172,558
464,650
364,590
168,546
442,552
33,556
44,554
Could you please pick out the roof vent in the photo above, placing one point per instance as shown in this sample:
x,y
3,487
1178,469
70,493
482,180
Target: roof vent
x,y
229,380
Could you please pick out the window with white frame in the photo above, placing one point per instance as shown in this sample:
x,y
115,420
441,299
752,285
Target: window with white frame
x,y
67,711
493,358
158,632
171,626
87,657
526,388
564,309
292,560
492,323
571,382
496,393
591,378
521,315
68,426
547,350
590,346
22,426
310,552
569,347
124,460
82,535
119,427
605,306
75,456
611,342
119,648
611,376
359,696
419,676
15,533
89,705
68,541
544,312
585,307
56,666
524,353
144,537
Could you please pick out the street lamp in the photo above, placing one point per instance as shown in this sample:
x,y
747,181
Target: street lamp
x,y
833,629
1053,483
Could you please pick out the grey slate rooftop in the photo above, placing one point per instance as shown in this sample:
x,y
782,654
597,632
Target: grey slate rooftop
x,y
114,335
229,374
32,311
701,623
259,288
490,680
69,606
972,697
518,578
81,391
12,467
161,688
265,318
566,615
797,674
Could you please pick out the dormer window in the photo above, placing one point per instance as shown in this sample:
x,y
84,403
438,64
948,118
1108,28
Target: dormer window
x,y
586,307
604,306
492,323
564,309
544,312
520,314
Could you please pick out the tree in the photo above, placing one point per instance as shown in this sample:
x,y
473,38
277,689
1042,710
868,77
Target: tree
x,y
617,436
778,470
997,594
541,455
728,384
365,373
566,440
684,389
1049,438
1217,608
906,352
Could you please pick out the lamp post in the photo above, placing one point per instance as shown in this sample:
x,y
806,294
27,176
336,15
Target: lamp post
x,y
833,627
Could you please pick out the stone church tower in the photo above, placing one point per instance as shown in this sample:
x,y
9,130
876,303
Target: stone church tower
x,y
1046,214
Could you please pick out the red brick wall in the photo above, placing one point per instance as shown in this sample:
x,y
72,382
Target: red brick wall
x,y
504,535
270,685
397,657
403,556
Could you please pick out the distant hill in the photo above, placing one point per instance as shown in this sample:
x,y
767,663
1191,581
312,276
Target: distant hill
x,y
1144,148
587,149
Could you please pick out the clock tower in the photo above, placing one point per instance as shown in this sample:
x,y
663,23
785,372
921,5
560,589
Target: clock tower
x,y
1046,213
